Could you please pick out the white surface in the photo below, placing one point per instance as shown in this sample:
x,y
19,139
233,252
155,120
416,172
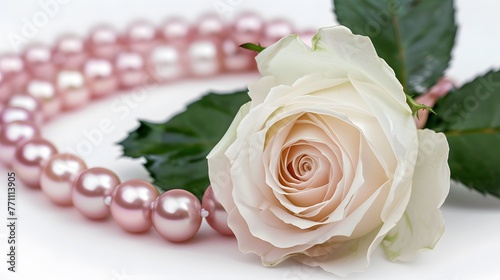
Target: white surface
x,y
59,243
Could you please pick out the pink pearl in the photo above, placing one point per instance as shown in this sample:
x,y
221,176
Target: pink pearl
x,y
210,25
275,30
167,63
130,69
11,114
38,60
175,31
104,42
131,205
29,103
11,135
44,91
59,175
14,71
217,215
247,28
235,58
90,189
141,37
30,158
204,57
176,215
69,52
5,88
72,89
100,77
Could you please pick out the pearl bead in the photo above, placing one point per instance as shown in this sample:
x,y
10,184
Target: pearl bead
x,y
72,89
69,52
175,31
104,42
11,135
13,68
217,215
131,205
140,37
28,103
204,57
275,30
44,91
5,88
99,74
11,114
167,63
235,58
38,60
210,25
130,69
176,215
30,158
247,28
59,175
90,189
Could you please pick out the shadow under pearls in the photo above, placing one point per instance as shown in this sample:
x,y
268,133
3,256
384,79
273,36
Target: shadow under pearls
x,y
463,197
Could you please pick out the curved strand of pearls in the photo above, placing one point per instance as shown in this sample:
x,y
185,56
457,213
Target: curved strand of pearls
x,y
43,81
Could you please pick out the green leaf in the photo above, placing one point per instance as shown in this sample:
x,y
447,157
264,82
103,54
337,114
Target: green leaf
x,y
175,151
252,47
470,119
414,37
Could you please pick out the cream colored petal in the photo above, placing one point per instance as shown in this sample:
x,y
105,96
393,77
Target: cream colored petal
x,y
422,224
341,258
219,165
290,59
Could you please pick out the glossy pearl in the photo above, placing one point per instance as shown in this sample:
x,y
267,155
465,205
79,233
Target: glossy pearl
x,y
90,189
247,28
236,59
167,63
211,25
204,57
275,30
140,37
99,75
28,103
11,135
130,69
131,205
30,158
38,60
58,176
217,215
5,88
11,114
176,215
174,31
45,92
104,42
69,52
71,87
13,68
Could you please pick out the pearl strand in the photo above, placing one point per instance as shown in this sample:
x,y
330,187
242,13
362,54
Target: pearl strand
x,y
36,86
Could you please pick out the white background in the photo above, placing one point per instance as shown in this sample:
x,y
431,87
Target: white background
x,y
59,243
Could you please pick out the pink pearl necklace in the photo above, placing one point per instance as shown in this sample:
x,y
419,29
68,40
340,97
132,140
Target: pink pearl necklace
x,y
43,81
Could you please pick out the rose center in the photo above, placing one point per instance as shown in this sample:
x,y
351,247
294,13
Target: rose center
x,y
301,167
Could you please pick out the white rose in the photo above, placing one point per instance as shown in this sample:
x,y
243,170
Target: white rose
x,y
326,163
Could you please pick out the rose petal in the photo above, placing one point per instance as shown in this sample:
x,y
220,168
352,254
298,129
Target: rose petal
x,y
290,59
422,224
